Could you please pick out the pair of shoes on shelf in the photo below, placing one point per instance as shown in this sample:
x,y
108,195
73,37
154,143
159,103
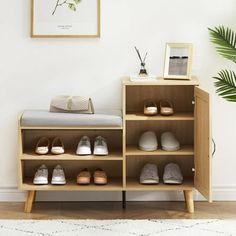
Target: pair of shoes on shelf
x,y
148,142
100,146
151,109
172,174
41,176
43,145
99,177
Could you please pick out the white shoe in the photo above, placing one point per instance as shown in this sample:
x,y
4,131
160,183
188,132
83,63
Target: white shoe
x,y
58,176
57,146
100,147
169,142
41,175
148,141
42,146
84,146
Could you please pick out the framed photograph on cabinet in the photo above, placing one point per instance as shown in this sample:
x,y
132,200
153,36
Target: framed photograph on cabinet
x,y
65,18
178,61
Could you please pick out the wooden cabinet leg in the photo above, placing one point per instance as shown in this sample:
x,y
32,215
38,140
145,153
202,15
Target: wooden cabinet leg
x,y
29,202
188,195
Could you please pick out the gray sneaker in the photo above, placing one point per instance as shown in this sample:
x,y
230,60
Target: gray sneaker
x,y
41,175
149,174
172,174
58,176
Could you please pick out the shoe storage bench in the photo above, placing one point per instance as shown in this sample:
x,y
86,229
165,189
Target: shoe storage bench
x,y
70,128
190,124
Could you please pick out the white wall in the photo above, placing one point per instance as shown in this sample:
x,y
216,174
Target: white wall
x,y
34,70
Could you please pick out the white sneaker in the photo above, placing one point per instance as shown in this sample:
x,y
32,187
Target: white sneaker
x,y
100,147
84,146
58,176
41,175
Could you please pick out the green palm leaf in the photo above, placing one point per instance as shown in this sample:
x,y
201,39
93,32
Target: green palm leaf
x,y
225,39
226,85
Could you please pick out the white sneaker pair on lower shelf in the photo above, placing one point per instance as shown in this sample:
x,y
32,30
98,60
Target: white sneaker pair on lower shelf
x,y
172,174
41,176
100,146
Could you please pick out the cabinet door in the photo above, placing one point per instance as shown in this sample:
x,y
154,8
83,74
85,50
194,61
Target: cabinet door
x,y
202,142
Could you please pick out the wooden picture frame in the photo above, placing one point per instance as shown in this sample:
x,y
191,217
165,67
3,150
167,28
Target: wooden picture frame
x,y
36,31
178,61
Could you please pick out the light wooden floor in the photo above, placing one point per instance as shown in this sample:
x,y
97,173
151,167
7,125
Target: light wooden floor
x,y
113,210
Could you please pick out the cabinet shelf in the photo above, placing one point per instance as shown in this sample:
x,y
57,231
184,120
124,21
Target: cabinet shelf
x,y
71,156
134,185
138,116
187,150
113,185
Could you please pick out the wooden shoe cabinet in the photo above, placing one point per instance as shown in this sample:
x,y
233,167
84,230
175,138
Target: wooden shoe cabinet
x,y
190,123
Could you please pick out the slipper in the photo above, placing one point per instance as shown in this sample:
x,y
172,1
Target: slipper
x,y
42,146
57,146
166,108
148,141
149,174
150,108
172,174
84,177
100,177
169,142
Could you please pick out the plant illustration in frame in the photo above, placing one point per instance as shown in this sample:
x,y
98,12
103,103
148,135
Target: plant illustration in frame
x,y
65,18
65,3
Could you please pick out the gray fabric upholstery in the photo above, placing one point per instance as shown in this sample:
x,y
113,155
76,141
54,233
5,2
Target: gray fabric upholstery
x,y
46,118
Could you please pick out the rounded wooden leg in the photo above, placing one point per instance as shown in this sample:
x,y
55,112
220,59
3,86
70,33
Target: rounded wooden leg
x,y
29,202
188,195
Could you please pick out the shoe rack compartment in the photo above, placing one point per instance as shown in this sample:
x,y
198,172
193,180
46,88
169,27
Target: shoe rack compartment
x,y
180,96
184,131
71,169
70,139
134,166
72,164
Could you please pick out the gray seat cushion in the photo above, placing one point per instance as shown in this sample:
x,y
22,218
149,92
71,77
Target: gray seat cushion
x,y
46,118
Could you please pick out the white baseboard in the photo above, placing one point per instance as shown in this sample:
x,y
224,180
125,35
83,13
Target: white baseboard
x,y
11,194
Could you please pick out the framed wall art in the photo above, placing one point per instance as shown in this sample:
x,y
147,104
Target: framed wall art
x,y
178,61
65,18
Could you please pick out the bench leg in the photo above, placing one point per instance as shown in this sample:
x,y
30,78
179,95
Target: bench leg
x,y
124,199
29,202
188,195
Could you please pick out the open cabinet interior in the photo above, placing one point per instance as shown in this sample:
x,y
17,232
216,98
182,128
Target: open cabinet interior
x,y
181,97
182,124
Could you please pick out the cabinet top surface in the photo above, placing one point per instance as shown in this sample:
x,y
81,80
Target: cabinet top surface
x,y
161,81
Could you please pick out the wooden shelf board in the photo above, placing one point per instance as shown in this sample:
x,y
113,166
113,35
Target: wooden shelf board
x,y
184,151
134,185
113,185
177,116
113,156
